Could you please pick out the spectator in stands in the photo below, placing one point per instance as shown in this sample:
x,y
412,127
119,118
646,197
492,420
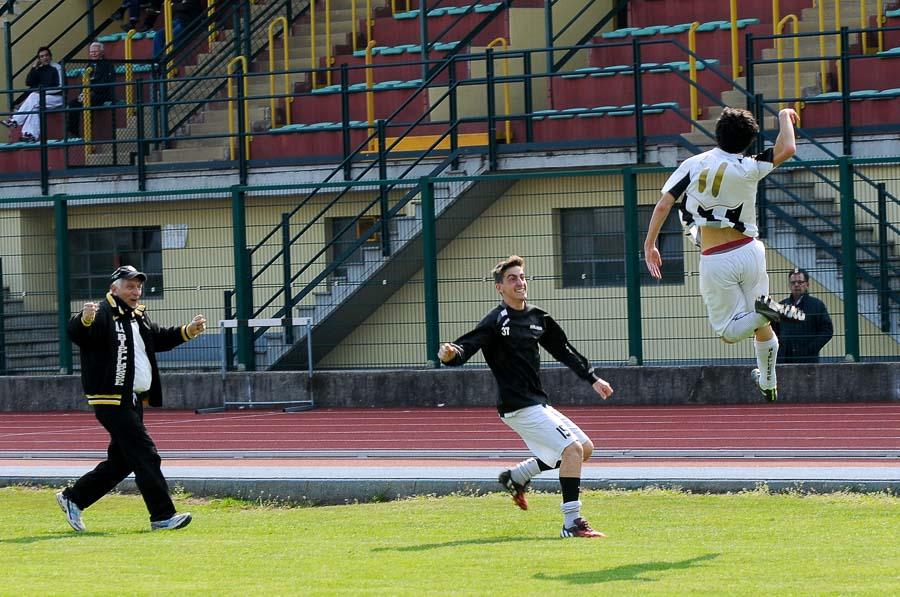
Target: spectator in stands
x,y
151,11
801,341
183,13
103,75
44,74
118,373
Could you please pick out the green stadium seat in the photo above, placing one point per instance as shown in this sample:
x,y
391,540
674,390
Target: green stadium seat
x,y
893,52
711,25
624,32
741,23
541,114
460,10
863,94
647,31
644,66
681,28
410,14
892,13
487,7
889,93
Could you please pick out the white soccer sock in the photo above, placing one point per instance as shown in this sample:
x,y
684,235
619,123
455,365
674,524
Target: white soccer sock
x,y
766,355
523,472
571,511
743,325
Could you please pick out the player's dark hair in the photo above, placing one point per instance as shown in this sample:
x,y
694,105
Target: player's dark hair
x,y
500,268
735,130
44,49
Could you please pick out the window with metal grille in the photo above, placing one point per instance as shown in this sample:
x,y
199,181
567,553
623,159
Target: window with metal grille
x,y
95,252
592,246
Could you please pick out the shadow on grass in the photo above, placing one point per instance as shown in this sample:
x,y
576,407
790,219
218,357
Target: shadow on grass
x,y
55,537
484,541
626,572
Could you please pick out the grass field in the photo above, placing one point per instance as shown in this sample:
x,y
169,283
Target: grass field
x,y
660,543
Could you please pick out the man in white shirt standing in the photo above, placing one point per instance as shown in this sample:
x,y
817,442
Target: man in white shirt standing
x,y
119,373
718,208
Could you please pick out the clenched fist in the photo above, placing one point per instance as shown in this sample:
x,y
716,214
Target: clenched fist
x,y
197,326
89,312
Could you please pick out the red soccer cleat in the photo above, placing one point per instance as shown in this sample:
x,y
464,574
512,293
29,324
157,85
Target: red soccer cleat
x,y
581,529
516,490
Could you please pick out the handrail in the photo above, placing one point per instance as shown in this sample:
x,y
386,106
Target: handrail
x,y
735,57
863,22
232,141
500,41
589,34
692,62
837,26
328,59
168,30
211,15
129,72
394,6
779,45
313,60
86,118
288,96
370,95
823,64
370,23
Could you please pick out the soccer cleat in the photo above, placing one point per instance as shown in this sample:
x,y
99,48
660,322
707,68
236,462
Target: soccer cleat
x,y
775,311
770,394
516,490
581,528
178,521
72,512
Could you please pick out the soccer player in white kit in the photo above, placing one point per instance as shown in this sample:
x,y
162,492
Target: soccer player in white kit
x,y
719,211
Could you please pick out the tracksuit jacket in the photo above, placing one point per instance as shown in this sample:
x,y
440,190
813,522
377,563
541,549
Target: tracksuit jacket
x,y
107,352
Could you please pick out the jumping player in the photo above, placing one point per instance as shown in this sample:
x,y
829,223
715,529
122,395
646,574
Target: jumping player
x,y
509,336
719,211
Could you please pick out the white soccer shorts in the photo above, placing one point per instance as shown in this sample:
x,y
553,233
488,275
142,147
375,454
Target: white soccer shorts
x,y
545,430
731,282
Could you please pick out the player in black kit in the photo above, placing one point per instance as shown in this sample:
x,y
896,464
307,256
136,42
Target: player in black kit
x,y
509,337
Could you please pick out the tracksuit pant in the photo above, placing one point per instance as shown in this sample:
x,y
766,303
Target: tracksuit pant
x,y
130,450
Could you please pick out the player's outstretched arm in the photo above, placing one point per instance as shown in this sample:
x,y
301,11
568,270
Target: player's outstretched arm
x,y
651,253
785,143
449,352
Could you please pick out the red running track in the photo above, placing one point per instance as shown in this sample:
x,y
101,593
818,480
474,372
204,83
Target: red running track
x,y
751,427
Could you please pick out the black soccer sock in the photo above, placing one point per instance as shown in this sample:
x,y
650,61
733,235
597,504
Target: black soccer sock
x,y
570,488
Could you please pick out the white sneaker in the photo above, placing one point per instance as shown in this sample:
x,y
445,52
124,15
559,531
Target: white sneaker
x,y
176,522
770,394
72,512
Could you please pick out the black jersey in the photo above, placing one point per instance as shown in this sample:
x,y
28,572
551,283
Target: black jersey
x,y
509,340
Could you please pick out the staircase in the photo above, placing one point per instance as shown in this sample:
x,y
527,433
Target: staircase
x,y
765,80
343,304
819,212
31,339
212,118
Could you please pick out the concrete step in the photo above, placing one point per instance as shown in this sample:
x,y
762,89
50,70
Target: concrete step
x,y
30,320
192,154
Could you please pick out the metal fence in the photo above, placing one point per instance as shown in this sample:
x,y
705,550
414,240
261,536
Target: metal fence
x,y
386,269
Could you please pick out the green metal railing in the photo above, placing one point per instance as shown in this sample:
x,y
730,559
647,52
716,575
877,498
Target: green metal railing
x,y
613,309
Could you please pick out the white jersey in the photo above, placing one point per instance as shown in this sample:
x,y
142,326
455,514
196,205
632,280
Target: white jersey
x,y
719,190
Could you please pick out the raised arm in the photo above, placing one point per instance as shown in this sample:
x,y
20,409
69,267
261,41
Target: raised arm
x,y
785,143
457,353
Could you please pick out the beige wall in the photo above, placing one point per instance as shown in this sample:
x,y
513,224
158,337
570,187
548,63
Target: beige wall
x,y
674,317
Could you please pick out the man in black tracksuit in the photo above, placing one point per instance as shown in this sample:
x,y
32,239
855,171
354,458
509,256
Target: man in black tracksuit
x,y
801,341
118,372
509,336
